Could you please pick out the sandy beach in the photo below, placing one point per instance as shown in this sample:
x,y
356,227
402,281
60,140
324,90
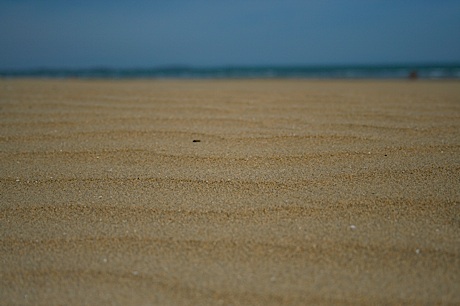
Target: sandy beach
x,y
229,192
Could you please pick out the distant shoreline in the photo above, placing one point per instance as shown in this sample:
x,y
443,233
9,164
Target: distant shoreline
x,y
422,71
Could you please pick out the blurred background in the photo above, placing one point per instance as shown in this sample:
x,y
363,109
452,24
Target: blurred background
x,y
205,38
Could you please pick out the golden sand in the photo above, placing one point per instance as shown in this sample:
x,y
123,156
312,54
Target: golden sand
x,y
297,192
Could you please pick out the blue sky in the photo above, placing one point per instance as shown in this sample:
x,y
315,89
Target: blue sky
x,y
78,34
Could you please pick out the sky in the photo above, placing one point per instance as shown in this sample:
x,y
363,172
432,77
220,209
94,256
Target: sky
x,y
206,33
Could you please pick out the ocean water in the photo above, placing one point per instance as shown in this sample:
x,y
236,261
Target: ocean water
x,y
422,71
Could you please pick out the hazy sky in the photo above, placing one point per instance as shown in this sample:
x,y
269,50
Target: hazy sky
x,y
115,33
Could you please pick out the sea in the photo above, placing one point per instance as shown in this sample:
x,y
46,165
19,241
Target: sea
x,y
413,71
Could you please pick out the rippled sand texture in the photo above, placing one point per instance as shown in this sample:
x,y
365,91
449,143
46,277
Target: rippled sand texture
x,y
298,192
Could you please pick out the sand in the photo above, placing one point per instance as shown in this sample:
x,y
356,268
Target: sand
x,y
294,192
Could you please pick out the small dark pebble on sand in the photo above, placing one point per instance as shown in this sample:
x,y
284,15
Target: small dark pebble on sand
x,y
196,140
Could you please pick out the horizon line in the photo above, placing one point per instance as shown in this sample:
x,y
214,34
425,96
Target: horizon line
x,y
233,66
